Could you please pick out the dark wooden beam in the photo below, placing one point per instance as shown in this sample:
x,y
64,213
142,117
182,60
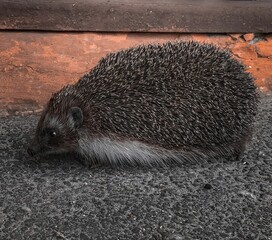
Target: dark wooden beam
x,y
137,15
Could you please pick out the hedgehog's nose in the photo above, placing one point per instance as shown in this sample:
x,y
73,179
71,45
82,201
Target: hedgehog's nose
x,y
30,151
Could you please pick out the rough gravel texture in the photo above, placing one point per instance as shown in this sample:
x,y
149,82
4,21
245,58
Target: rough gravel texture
x,y
59,198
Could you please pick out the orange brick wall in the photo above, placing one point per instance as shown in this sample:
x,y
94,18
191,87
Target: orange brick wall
x,y
33,65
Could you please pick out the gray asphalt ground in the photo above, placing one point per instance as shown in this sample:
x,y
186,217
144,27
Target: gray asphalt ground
x,y
59,198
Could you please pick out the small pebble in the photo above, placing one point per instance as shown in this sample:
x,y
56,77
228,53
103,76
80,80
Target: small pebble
x,y
207,186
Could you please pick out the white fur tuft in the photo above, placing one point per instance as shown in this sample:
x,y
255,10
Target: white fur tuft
x,y
131,152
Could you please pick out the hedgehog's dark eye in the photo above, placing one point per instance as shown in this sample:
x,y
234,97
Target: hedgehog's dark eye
x,y
52,133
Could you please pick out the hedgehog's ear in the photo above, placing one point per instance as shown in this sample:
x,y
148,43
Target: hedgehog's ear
x,y
76,116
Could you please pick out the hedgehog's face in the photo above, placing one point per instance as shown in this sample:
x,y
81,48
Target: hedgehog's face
x,y
57,132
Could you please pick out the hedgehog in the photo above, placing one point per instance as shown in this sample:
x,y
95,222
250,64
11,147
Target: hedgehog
x,y
154,104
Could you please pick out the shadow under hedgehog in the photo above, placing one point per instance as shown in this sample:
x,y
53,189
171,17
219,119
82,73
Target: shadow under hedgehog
x,y
152,105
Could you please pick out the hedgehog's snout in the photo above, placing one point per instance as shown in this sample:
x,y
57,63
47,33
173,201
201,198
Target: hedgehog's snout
x,y
33,150
30,152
